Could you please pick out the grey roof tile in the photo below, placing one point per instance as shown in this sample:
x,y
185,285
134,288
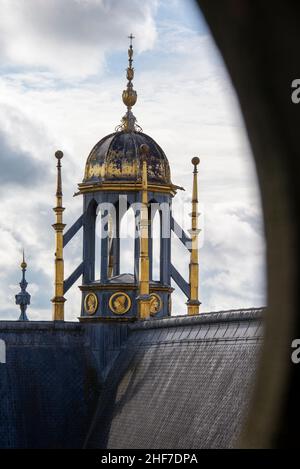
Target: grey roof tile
x,y
188,387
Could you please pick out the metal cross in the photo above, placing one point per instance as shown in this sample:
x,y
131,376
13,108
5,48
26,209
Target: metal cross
x,y
131,37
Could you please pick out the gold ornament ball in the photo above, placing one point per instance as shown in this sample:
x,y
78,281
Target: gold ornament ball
x,y
195,161
59,154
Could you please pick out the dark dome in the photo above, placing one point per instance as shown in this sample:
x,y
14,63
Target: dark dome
x,y
117,158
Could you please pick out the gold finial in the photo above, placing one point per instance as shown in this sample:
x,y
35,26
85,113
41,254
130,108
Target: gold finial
x,y
59,300
195,162
193,303
23,264
129,95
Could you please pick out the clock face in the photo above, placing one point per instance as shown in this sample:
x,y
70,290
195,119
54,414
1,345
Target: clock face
x,y
119,303
91,303
155,304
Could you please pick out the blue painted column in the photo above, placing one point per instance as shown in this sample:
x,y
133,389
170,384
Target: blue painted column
x,y
137,247
165,246
150,242
116,245
89,221
104,246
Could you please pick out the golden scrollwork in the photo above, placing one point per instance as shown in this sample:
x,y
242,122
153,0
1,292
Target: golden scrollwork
x,y
155,304
119,303
91,303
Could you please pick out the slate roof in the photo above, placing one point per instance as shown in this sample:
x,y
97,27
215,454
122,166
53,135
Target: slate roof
x,y
125,278
48,385
181,382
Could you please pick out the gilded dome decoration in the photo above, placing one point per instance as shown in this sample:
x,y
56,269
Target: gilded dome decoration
x,y
117,158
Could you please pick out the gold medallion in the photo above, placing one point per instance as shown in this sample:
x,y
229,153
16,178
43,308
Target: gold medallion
x,y
119,303
90,303
155,304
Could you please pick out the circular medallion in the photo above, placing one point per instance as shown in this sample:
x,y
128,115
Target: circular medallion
x,y
90,303
155,304
119,303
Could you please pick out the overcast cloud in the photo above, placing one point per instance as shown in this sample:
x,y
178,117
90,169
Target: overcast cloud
x,y
61,76
72,37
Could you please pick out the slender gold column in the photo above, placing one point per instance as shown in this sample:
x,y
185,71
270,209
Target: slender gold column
x,y
193,303
59,300
144,299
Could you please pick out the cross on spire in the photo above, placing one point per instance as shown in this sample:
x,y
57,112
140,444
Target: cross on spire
x,y
131,37
129,95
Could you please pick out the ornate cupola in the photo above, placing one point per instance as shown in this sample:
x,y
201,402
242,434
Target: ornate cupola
x,y
126,170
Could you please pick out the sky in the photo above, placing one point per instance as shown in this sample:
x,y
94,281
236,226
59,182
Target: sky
x,y
62,72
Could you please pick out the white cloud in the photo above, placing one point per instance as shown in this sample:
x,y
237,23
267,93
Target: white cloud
x,y
71,37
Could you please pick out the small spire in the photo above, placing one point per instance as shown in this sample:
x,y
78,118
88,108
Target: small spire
x,y
129,95
144,271
23,297
23,264
58,300
193,302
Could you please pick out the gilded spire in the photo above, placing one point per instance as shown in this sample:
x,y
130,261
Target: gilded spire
x,y
23,297
58,300
193,302
23,264
144,270
129,95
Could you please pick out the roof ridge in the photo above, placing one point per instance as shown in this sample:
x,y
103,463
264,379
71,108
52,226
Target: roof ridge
x,y
204,318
